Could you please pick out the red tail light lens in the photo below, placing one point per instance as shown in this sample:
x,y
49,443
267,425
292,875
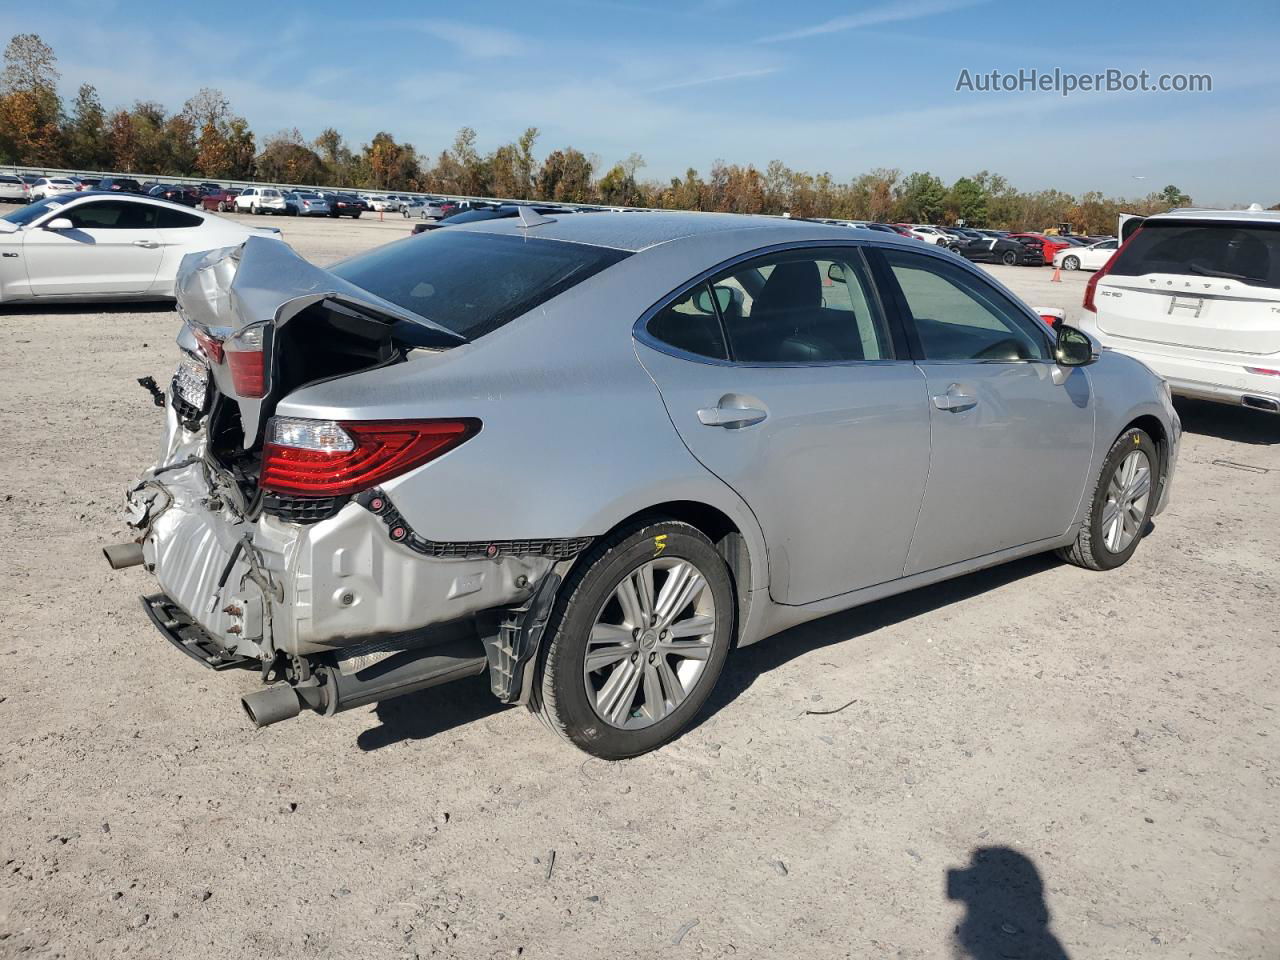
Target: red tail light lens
x,y
1092,285
211,345
247,357
330,458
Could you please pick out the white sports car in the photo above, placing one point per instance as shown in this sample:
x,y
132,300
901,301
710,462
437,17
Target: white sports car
x,y
1091,257
105,246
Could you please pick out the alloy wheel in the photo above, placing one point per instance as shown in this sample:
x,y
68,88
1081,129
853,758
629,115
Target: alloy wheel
x,y
1126,507
649,643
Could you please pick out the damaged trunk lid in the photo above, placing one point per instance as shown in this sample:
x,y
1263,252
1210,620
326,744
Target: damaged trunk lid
x,y
241,305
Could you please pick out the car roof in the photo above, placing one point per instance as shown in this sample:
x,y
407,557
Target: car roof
x,y
634,232
127,197
1236,216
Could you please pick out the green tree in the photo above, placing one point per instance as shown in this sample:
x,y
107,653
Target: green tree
x,y
1174,197
921,198
967,201
86,133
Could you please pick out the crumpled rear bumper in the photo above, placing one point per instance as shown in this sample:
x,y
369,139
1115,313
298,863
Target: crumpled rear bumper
x,y
262,585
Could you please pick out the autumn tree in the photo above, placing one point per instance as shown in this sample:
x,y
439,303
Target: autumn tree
x,y
30,111
565,176
285,158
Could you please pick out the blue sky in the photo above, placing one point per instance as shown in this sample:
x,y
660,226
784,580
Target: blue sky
x,y
841,87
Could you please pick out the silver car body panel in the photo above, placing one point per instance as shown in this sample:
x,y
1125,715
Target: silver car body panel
x,y
599,430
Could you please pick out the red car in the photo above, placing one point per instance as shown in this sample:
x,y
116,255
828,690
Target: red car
x,y
224,201
1048,245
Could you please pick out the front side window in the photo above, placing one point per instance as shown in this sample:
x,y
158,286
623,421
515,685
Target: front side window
x,y
805,306
112,215
959,316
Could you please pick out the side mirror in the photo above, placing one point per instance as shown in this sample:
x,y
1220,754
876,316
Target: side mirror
x,y
1074,348
835,273
60,223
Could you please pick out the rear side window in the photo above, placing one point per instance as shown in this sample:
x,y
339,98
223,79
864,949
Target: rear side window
x,y
1249,253
690,324
175,219
473,283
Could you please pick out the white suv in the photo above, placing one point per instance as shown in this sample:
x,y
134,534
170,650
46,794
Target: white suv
x,y
1195,295
261,200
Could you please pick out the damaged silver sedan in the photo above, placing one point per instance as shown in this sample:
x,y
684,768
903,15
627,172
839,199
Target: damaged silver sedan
x,y
590,455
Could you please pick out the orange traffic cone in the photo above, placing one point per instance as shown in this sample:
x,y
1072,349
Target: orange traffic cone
x,y
1057,275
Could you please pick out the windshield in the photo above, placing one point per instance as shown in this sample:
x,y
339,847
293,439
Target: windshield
x,y
473,283
33,211
1246,252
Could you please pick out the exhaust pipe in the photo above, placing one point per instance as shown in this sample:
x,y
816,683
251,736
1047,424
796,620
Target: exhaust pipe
x,y
331,691
272,704
1260,403
122,555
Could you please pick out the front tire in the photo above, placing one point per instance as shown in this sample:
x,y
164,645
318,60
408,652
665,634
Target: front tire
x,y
1124,499
1070,263
636,641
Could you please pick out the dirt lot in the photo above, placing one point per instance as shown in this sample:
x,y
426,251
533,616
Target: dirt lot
x,y
1100,745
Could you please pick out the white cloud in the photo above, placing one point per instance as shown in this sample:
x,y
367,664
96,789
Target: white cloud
x,y
717,78
888,13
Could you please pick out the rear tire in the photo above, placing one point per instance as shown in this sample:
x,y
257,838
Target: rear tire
x,y
1009,258
650,682
1124,498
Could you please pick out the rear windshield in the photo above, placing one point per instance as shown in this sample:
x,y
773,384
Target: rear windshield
x,y
1249,253
474,283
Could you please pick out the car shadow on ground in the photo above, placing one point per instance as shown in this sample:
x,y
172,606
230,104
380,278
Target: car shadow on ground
x,y
120,306
417,716
1226,422
1005,910
436,710
745,665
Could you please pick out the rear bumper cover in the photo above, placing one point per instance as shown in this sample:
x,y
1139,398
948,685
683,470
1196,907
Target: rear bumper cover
x,y
1204,378
263,585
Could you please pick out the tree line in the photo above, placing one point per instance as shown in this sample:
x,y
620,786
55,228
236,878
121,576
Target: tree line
x,y
208,139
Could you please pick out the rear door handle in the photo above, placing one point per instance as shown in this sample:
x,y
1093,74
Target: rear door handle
x,y
954,401
731,416
149,244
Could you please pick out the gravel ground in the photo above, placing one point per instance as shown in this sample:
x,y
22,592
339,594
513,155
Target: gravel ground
x,y
1028,760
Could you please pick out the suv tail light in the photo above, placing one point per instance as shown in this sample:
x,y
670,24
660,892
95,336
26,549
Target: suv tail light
x,y
1092,285
246,353
331,458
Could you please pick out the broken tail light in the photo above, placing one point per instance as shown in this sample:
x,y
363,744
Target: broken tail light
x,y
246,352
330,458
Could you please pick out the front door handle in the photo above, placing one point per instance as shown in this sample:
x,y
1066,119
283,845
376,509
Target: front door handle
x,y
149,244
731,416
954,401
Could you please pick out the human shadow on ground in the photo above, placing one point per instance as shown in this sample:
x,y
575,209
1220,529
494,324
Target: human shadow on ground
x,y
1005,911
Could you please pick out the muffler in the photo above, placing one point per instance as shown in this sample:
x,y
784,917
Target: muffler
x,y
122,555
330,690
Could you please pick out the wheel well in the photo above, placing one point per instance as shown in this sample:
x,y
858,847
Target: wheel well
x,y
1155,429
721,531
